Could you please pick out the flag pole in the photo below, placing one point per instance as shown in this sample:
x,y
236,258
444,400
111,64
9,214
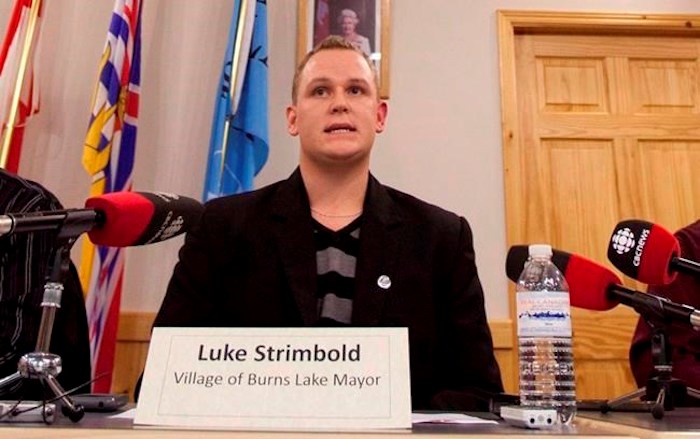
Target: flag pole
x,y
26,47
235,63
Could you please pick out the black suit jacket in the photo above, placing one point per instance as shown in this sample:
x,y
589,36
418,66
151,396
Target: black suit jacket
x,y
24,261
251,262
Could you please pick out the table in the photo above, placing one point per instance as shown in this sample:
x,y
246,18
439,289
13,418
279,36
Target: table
x,y
683,422
97,425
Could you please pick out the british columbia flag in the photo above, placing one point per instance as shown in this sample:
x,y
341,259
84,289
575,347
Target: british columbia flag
x,y
108,157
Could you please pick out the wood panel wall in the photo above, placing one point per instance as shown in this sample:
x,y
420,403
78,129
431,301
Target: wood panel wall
x,y
133,337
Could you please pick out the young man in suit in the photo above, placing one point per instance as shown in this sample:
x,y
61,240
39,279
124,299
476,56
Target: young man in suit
x,y
333,246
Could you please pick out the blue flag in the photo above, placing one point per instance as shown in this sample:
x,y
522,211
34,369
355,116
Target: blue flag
x,y
239,136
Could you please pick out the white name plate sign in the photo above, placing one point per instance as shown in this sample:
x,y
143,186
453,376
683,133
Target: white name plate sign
x,y
277,379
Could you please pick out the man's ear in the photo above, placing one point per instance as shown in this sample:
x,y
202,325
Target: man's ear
x,y
292,121
382,113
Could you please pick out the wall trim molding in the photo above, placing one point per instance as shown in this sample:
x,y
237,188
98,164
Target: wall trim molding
x,y
135,326
134,335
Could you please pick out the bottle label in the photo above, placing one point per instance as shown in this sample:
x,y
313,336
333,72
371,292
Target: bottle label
x,y
543,314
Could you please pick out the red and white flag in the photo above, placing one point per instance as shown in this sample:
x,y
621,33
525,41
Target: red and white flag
x,y
10,57
322,21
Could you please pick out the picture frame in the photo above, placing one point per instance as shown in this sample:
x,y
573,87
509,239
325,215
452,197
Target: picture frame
x,y
317,19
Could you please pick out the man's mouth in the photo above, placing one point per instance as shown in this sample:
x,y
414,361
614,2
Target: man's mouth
x,y
339,128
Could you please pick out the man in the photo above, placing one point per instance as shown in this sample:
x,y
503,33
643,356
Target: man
x,y
24,260
683,343
332,246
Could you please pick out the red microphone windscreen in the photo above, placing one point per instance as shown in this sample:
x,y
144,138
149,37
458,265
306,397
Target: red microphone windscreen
x,y
588,281
127,214
661,248
588,284
643,251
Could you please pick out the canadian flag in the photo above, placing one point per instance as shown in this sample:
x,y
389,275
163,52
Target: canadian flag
x,y
10,59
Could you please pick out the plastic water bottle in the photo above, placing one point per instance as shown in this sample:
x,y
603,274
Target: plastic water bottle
x,y
544,336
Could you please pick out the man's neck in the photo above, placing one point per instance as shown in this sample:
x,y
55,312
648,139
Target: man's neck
x,y
337,196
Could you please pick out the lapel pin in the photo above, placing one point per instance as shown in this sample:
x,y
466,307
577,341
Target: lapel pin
x,y
384,282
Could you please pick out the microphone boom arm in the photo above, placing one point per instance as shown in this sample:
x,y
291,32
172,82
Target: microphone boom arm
x,y
655,307
685,265
68,223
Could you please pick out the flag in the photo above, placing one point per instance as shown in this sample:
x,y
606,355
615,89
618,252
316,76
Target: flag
x,y
108,156
10,56
239,136
322,26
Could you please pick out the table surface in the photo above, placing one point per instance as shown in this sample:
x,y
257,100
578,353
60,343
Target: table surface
x,y
100,425
681,422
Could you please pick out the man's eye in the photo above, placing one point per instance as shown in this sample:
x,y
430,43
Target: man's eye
x,y
319,91
355,90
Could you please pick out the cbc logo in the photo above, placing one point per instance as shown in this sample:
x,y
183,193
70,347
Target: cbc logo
x,y
623,241
173,228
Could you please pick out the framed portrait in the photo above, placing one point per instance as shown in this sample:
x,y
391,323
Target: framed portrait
x,y
365,23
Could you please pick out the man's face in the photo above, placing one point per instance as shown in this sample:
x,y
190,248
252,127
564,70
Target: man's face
x,y
337,112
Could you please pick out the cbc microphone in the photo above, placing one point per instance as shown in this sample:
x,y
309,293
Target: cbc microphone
x,y
582,275
117,219
648,253
594,287
138,218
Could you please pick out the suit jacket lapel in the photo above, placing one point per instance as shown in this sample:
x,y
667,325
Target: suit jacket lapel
x,y
294,233
378,255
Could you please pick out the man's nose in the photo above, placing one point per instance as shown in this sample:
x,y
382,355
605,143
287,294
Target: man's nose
x,y
340,103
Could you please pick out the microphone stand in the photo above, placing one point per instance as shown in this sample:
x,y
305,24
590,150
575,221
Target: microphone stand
x,y
41,364
662,390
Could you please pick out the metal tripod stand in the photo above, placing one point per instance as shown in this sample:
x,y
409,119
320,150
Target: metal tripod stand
x,y
41,364
662,391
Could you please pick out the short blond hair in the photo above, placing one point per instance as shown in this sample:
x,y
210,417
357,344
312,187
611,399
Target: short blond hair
x,y
332,42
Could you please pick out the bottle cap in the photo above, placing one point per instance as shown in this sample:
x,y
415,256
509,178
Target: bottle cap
x,y
540,250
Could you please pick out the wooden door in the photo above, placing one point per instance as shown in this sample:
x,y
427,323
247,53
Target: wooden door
x,y
601,123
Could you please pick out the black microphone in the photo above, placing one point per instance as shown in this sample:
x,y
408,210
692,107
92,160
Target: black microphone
x,y
648,253
595,287
116,219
